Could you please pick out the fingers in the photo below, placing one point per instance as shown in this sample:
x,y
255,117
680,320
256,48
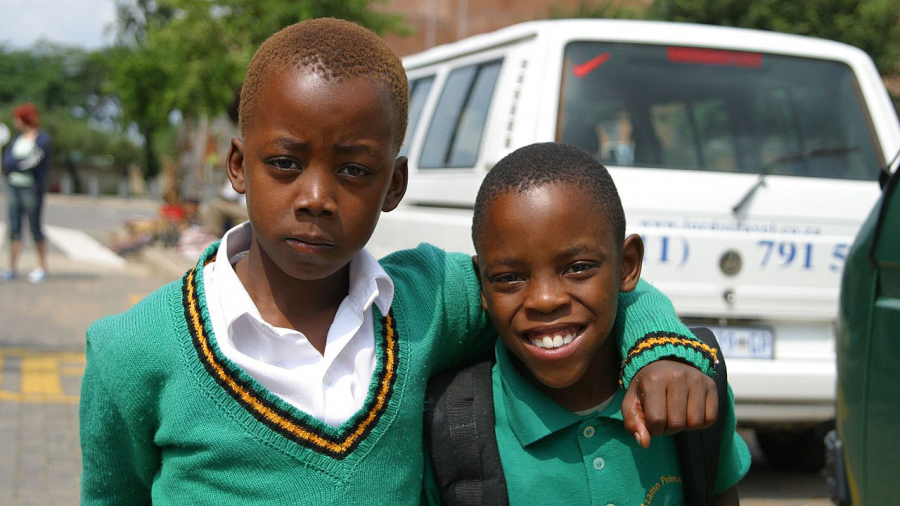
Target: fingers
x,y
712,404
678,407
671,397
654,400
697,404
642,437
633,415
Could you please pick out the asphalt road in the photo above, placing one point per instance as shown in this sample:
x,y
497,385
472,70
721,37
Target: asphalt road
x,y
41,362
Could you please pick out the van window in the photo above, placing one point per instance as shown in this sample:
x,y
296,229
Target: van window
x,y
454,135
418,92
647,105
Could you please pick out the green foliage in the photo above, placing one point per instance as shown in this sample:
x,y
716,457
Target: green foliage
x,y
604,9
191,55
871,25
54,76
67,86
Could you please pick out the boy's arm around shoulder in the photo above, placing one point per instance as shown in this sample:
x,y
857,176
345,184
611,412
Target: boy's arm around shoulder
x,y
649,330
663,396
441,289
119,406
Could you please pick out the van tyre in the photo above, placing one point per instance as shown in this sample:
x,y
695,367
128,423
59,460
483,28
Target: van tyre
x,y
795,450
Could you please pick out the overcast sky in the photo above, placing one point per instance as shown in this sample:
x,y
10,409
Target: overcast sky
x,y
81,23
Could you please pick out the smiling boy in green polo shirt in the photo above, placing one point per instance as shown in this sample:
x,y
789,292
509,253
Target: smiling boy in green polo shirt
x,y
552,256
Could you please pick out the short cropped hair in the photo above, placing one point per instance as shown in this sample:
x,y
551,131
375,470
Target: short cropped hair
x,y
546,163
27,113
336,50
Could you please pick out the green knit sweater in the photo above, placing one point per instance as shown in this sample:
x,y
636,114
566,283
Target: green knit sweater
x,y
167,418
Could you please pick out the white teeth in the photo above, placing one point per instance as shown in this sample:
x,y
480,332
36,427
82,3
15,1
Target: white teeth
x,y
552,341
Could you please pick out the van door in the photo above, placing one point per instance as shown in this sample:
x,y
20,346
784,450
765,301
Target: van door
x,y
881,407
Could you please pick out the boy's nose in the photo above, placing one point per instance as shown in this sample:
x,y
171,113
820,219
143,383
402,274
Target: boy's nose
x,y
316,196
546,297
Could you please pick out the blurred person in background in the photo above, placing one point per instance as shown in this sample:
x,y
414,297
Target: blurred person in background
x,y
26,164
228,209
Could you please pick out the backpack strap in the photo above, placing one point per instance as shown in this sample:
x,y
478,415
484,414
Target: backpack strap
x,y
698,450
459,430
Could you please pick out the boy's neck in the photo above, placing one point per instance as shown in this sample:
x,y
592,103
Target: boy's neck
x,y
307,306
599,382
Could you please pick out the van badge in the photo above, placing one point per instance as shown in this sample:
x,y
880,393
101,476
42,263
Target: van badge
x,y
730,263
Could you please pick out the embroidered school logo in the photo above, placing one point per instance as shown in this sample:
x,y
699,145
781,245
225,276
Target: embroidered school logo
x,y
666,492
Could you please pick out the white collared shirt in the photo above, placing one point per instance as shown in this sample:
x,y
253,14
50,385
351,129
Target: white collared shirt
x,y
330,387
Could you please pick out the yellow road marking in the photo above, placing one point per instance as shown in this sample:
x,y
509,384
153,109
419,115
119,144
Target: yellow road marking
x,y
41,373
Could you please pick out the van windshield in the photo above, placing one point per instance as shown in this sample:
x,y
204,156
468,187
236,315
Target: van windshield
x,y
706,109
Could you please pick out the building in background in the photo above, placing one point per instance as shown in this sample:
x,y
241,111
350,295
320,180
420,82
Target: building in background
x,y
436,22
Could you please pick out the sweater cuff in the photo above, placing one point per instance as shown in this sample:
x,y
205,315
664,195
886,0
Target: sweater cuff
x,y
666,345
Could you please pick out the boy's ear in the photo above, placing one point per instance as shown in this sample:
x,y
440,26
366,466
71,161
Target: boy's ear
x,y
480,286
632,258
234,165
399,180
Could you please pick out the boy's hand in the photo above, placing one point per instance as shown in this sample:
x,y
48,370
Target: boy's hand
x,y
666,397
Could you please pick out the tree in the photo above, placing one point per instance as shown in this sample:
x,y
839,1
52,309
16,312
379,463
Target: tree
x,y
871,25
67,85
190,55
141,77
604,9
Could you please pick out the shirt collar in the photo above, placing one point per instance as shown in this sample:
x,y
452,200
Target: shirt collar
x,y
369,283
532,415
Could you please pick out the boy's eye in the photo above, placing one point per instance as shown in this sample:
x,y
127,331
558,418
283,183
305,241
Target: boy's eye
x,y
505,280
580,268
284,164
354,170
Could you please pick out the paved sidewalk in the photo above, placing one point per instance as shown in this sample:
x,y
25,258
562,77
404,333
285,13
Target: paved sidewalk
x,y
41,363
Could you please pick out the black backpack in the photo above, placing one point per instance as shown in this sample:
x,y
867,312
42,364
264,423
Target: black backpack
x,y
459,427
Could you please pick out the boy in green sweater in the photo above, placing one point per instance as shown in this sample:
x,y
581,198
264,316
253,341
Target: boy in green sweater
x,y
289,367
553,259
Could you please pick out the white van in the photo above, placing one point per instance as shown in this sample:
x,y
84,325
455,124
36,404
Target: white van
x,y
746,160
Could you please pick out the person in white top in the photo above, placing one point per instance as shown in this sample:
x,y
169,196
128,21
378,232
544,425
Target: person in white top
x,y
26,164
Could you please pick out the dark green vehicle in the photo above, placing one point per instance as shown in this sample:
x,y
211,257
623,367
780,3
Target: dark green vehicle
x,y
864,453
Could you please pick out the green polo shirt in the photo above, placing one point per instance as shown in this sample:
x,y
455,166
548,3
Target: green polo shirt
x,y
553,456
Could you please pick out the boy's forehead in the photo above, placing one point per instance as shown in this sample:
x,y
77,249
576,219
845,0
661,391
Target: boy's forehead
x,y
571,202
305,78
570,198
286,86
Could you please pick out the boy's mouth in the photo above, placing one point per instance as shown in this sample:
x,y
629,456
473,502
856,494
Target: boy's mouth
x,y
554,338
309,244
